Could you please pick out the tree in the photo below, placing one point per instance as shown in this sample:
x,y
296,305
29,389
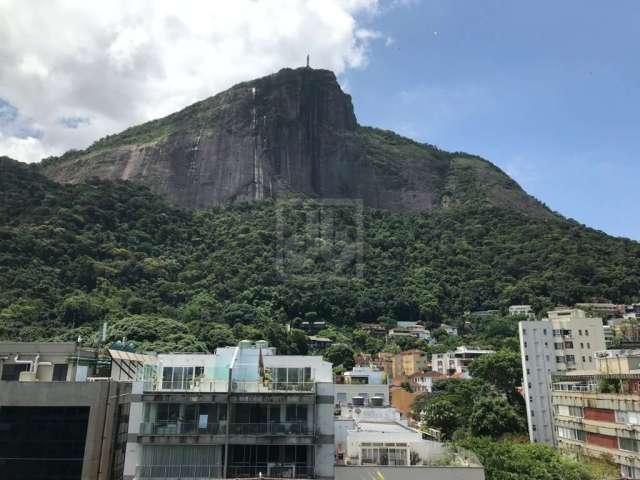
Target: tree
x,y
340,354
442,414
502,369
523,461
494,416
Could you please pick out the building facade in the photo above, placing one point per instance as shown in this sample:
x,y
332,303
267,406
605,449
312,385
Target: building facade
x,y
566,340
242,412
456,361
597,413
60,413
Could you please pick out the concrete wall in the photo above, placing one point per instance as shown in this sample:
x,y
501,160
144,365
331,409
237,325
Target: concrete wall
x,y
102,414
357,472
352,390
324,448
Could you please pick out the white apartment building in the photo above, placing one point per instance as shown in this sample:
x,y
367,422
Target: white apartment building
x,y
456,361
243,412
566,340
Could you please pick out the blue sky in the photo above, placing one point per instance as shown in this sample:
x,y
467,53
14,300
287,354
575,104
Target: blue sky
x,y
547,90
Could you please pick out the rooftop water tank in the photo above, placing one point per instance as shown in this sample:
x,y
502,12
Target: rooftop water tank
x,y
357,401
376,401
262,344
245,344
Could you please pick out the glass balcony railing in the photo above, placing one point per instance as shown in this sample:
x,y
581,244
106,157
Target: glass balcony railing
x,y
270,471
183,472
287,428
181,428
271,386
213,386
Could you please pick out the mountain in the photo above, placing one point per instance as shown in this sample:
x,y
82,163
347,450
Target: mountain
x,y
75,255
293,132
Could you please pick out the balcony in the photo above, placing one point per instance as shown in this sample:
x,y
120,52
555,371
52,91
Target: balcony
x,y
287,470
573,387
265,429
271,387
181,428
183,472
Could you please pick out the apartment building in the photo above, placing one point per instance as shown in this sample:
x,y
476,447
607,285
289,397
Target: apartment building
x,y
364,385
566,340
60,413
403,364
241,412
456,361
597,413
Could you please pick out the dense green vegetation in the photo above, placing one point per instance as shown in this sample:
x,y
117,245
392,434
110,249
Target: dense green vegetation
x,y
510,460
73,256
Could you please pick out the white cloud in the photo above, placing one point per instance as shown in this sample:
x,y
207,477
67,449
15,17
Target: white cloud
x,y
120,62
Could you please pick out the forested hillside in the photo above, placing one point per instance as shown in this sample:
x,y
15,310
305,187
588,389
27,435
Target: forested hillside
x,y
72,256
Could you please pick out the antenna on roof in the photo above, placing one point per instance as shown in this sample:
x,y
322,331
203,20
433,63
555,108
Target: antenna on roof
x,y
308,61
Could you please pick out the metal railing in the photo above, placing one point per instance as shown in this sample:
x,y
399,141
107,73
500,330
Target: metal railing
x,y
204,385
181,428
288,428
270,471
185,472
271,386
567,387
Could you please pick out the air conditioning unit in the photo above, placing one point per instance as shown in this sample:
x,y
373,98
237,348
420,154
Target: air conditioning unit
x,y
28,377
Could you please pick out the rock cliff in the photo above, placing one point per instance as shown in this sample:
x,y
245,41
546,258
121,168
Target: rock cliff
x,y
293,132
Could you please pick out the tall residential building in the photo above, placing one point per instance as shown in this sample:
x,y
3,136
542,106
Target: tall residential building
x,y
241,412
566,340
597,413
456,361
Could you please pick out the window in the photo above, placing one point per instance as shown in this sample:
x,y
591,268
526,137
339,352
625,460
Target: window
x,y
569,411
630,472
60,372
579,332
588,345
586,332
559,359
568,344
629,444
526,358
384,456
296,413
525,344
571,434
524,331
544,331
12,372
629,418
581,345
590,360
584,359
177,378
558,346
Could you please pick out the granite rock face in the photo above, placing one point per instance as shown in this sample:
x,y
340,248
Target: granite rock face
x,y
293,132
